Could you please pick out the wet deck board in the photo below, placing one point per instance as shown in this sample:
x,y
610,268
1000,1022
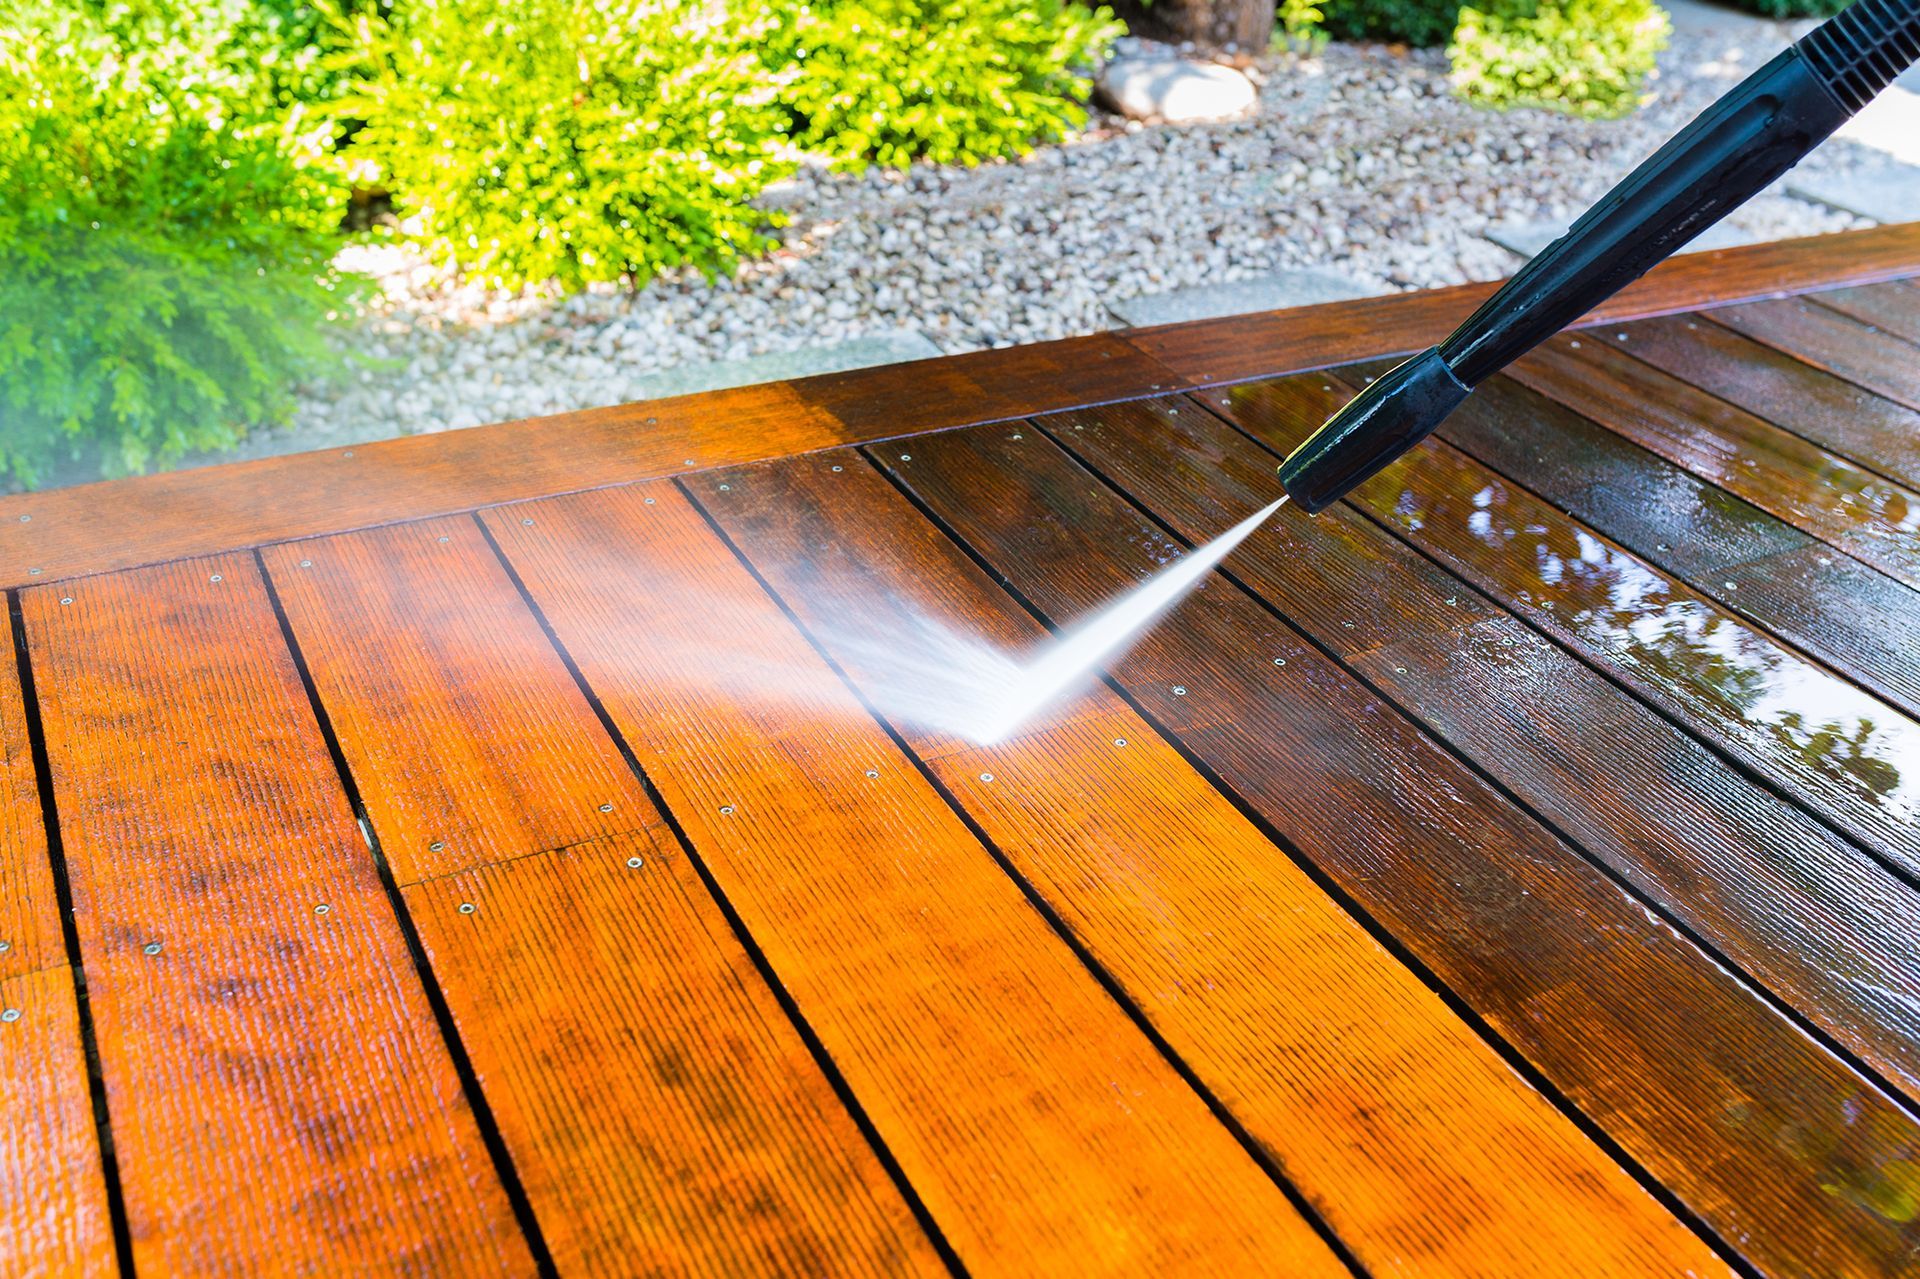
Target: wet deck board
x,y
1513,870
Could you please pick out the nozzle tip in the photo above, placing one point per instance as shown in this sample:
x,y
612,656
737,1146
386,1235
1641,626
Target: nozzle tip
x,y
1375,427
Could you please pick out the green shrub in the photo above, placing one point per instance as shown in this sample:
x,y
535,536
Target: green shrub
x,y
163,237
573,140
1420,23
895,81
1586,57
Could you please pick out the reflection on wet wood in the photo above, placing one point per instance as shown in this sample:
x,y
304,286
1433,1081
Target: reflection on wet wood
x,y
1849,616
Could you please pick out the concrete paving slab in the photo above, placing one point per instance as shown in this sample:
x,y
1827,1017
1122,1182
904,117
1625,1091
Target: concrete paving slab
x,y
1530,238
1302,287
862,352
1891,194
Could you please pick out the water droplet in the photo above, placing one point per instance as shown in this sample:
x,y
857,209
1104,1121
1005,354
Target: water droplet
x,y
986,777
1279,661
1179,690
634,863
151,948
322,909
466,908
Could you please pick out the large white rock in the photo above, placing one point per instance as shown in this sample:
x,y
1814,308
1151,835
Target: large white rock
x,y
1177,90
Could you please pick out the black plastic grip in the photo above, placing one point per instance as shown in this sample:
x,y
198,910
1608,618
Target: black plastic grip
x,y
1734,148
1860,51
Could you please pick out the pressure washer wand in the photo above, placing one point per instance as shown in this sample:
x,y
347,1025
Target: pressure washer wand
x,y
1731,151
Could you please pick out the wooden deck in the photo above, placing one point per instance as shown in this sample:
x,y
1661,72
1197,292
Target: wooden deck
x,y
489,853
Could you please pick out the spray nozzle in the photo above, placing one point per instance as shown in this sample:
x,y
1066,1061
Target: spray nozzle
x,y
1392,415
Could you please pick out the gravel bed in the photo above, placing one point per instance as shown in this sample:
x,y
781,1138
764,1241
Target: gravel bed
x,y
1358,159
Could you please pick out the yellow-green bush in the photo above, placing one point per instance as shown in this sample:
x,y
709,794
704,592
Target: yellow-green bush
x,y
1586,57
895,81
164,236
574,140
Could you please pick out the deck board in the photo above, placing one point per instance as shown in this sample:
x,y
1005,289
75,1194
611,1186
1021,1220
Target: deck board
x,y
1632,789
1869,430
54,1215
1873,358
1042,1128
644,1076
1822,741
276,1081
1511,870
1299,1031
30,930
1646,1035
1844,613
1853,510
1893,306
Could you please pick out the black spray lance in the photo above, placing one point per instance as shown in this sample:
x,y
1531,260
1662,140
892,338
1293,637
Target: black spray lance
x,y
1733,150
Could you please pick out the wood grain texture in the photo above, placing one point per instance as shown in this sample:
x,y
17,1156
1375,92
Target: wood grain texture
x,y
1893,307
30,935
1882,362
280,1095
1833,748
1281,1003
1750,1124
96,527
1851,617
1034,1118
659,1107
53,1198
1275,342
1867,429
1836,937
1871,518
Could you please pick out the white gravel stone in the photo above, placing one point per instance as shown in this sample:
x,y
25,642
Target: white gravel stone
x,y
1176,90
1357,160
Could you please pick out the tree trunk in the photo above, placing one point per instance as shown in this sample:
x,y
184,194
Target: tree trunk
x,y
1245,24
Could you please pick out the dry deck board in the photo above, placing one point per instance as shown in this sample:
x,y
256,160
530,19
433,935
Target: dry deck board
x,y
1680,1063
54,1218
647,1082
1854,510
1821,740
1279,1001
1037,1122
1850,616
194,512
54,1215
30,933
1632,789
275,1078
1869,430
